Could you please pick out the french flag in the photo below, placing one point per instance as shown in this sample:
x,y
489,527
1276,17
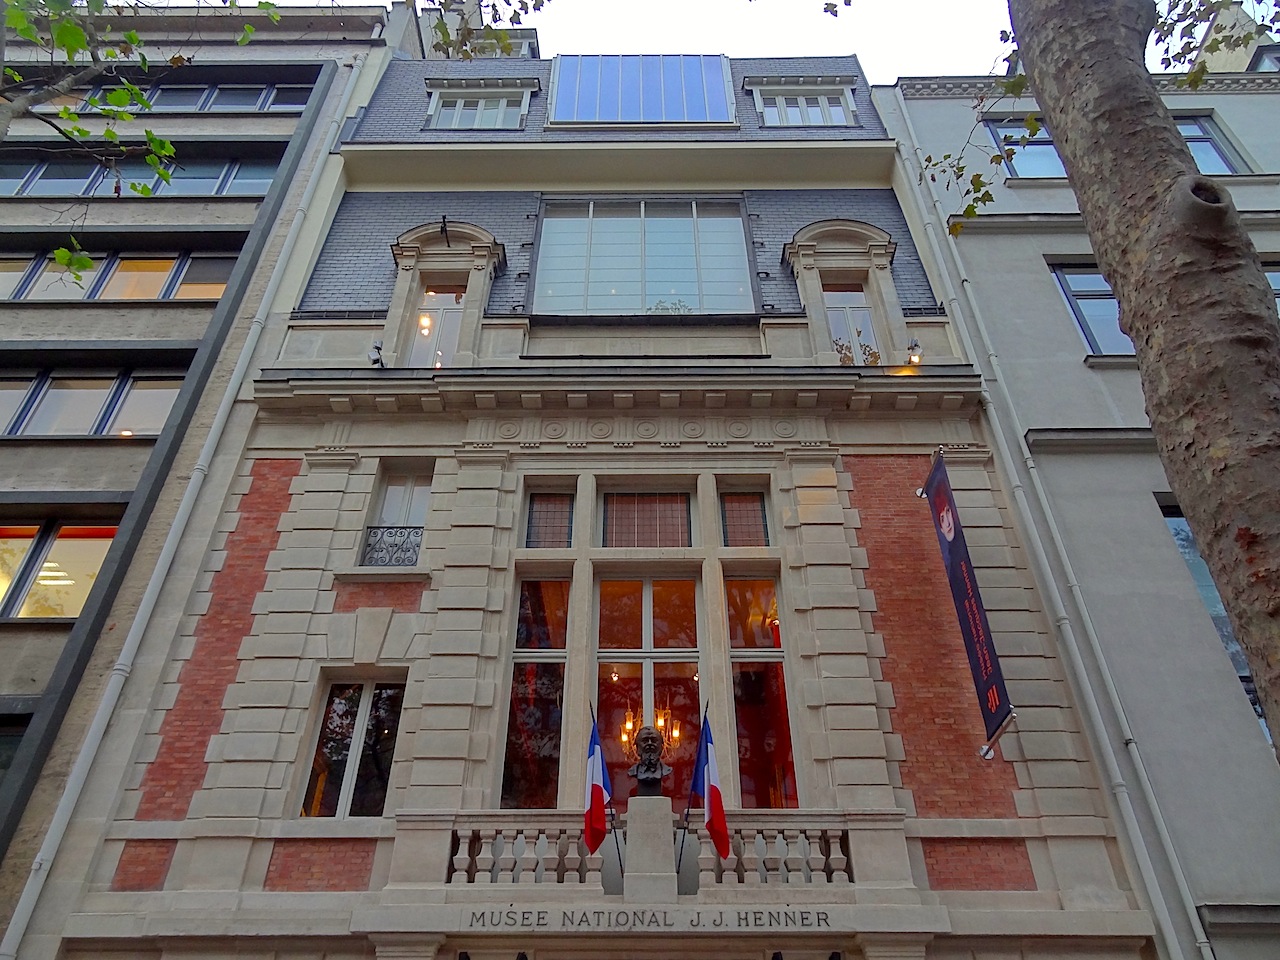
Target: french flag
x,y
706,784
598,793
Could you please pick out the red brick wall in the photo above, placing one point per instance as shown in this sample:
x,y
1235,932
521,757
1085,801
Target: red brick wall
x,y
936,709
987,864
317,865
143,865
403,597
179,767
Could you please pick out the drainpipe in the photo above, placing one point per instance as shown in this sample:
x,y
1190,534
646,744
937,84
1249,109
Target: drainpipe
x,y
1062,620
94,736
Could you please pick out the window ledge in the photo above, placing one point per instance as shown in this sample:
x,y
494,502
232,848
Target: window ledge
x,y
43,438
37,621
382,575
1111,361
1021,183
651,125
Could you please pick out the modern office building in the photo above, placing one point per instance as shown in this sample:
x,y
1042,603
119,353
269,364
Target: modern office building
x,y
603,386
104,369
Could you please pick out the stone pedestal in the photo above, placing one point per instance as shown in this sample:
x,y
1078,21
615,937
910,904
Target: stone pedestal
x,y
651,853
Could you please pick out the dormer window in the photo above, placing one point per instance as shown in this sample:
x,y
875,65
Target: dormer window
x,y
479,104
804,101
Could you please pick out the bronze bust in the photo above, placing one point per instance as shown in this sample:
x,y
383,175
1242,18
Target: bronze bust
x,y
649,770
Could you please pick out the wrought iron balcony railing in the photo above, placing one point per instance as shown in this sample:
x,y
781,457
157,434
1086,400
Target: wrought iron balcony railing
x,y
391,546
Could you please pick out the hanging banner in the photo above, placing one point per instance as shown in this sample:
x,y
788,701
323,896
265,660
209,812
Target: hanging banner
x,y
993,699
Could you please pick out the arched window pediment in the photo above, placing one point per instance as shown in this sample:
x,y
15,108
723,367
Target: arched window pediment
x,y
440,243
844,243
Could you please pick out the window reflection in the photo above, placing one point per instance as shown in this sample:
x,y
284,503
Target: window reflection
x,y
337,786
621,614
531,773
766,771
69,406
145,408
753,614
137,279
68,572
544,614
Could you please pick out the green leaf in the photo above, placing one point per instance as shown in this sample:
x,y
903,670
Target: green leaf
x,y
70,36
1014,86
109,134
246,34
119,98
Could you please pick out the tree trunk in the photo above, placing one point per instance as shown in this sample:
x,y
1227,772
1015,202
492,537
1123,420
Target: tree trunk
x,y
1192,292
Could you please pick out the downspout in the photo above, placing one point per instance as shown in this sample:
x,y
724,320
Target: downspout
x,y
97,730
1062,620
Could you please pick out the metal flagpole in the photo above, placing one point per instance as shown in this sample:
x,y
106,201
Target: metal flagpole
x,y
613,811
689,802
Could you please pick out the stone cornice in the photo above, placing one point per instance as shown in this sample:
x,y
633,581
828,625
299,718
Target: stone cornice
x,y
800,80
970,88
483,83
947,391
1073,223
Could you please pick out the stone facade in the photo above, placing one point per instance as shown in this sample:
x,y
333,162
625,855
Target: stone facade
x,y
209,830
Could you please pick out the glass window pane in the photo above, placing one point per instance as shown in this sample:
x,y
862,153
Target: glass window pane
x,y
1191,128
135,278
236,98
629,91
753,614
11,177
743,521
62,179
12,393
610,88
55,282
176,98
672,89
588,88
550,520
12,729
621,691
15,542
562,260
373,773
543,622
205,278
252,178
613,269
11,271
695,93
329,765
404,501
771,116
1208,590
289,98
836,111
621,614
145,407
719,106
531,771
1086,282
68,407
651,88
646,520
1209,158
675,615
68,572
193,178
1102,317
123,176
1037,160
675,691
766,770
439,325
565,94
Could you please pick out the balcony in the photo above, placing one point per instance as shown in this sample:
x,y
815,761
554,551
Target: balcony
x,y
391,546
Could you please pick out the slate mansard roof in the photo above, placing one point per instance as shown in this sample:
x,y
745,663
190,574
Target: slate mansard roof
x,y
398,110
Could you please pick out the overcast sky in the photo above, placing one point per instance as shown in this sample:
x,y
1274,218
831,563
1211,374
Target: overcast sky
x,y
892,38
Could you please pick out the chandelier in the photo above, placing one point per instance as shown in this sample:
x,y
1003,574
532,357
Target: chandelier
x,y
662,722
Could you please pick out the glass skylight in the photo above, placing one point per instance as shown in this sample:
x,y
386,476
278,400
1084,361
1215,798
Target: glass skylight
x,y
648,88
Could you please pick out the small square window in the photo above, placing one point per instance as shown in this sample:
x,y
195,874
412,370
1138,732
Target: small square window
x,y
236,98
205,278
289,98
68,407
177,98
252,178
63,179
145,407
646,520
48,570
55,282
478,113
351,769
137,278
1096,310
550,520
742,516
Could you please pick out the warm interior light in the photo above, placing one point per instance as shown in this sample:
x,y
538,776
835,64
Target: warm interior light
x,y
126,433
914,354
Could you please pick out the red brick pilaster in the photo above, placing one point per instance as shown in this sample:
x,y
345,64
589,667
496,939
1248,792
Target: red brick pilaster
x,y
177,772
143,865
320,865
